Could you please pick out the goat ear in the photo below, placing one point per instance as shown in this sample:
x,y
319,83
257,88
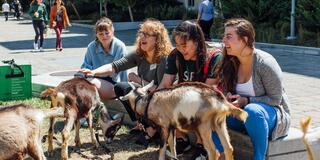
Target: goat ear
x,y
145,88
47,93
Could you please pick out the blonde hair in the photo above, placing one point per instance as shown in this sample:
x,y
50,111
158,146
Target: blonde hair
x,y
163,45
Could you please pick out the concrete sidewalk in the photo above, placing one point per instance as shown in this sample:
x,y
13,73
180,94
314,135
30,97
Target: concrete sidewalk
x,y
301,71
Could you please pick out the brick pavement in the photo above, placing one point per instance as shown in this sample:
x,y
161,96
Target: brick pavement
x,y
301,71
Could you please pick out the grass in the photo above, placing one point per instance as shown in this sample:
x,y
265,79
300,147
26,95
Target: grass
x,y
123,146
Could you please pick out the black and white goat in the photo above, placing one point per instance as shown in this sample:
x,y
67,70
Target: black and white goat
x,y
188,106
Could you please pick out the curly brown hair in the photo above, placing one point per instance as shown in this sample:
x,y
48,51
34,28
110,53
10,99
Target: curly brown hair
x,y
163,45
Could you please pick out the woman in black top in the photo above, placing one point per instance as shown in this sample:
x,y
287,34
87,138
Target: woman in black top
x,y
188,62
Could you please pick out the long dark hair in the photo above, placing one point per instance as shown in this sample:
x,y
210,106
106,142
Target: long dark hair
x,y
230,64
188,30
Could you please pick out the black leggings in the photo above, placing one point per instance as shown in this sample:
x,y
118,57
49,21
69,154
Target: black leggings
x,y
38,26
206,26
121,89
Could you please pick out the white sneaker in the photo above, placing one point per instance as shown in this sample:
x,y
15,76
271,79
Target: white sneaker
x,y
35,46
41,49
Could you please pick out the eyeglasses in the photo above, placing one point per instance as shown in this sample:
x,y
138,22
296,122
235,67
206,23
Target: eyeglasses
x,y
145,34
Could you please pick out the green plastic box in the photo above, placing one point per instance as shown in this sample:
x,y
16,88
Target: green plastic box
x,y
15,81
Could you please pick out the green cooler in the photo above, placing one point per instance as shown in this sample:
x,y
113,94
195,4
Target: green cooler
x,y
15,81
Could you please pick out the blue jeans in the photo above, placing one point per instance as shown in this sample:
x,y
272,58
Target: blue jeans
x,y
259,126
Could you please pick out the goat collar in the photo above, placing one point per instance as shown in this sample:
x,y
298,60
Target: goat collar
x,y
144,116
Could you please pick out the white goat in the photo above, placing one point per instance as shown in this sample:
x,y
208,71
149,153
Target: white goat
x,y
188,107
20,131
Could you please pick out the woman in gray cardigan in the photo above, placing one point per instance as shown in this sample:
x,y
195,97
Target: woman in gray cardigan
x,y
252,80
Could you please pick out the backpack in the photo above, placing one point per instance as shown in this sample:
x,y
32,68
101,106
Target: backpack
x,y
206,65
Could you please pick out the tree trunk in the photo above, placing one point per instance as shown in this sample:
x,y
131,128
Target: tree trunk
x,y
130,12
74,8
105,9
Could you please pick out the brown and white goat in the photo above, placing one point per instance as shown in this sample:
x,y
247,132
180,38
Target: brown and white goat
x,y
311,139
79,98
20,131
188,107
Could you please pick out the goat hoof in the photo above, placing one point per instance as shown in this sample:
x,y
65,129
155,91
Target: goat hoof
x,y
63,157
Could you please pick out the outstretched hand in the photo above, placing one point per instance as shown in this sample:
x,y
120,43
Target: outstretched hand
x,y
87,72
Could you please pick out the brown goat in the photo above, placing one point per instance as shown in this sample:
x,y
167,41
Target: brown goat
x,y
311,140
188,107
79,98
20,131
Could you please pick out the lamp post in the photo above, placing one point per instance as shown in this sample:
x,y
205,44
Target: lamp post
x,y
292,22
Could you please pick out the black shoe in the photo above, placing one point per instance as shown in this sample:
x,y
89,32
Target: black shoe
x,y
182,146
143,139
200,153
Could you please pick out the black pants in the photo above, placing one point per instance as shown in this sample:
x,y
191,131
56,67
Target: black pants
x,y
121,89
6,15
206,26
38,26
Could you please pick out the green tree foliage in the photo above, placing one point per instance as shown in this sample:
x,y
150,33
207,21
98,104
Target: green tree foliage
x,y
257,11
125,4
308,14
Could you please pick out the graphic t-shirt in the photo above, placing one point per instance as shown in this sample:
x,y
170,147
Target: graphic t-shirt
x,y
189,68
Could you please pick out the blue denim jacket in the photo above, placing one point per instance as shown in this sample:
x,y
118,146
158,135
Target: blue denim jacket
x,y
96,57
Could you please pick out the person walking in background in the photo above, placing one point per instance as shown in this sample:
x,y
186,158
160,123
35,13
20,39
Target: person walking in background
x,y
5,10
17,9
38,13
104,50
252,80
205,17
59,20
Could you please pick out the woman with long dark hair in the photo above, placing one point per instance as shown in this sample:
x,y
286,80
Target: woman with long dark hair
x,y
188,62
252,80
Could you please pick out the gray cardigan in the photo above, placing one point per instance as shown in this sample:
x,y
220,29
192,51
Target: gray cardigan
x,y
269,89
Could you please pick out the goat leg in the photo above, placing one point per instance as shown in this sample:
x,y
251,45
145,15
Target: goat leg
x,y
205,135
172,143
77,137
163,143
35,148
92,132
50,136
225,140
66,134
